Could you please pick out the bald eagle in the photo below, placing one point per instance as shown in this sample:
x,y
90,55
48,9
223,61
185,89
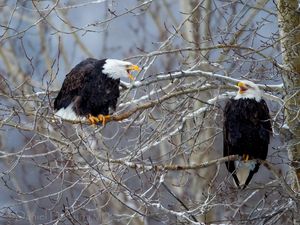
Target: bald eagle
x,y
91,90
247,129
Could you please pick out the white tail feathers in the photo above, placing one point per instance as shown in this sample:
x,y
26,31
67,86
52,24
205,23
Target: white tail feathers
x,y
243,169
68,114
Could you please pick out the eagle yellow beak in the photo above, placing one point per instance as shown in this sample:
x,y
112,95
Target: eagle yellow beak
x,y
130,68
242,87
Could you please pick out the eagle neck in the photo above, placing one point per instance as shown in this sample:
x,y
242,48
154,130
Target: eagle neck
x,y
256,97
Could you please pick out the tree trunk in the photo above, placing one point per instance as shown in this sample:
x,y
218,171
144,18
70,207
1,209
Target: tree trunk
x,y
288,19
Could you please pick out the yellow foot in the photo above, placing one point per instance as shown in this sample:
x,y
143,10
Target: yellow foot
x,y
103,118
245,157
93,120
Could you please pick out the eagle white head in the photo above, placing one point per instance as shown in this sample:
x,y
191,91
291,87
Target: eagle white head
x,y
248,89
116,69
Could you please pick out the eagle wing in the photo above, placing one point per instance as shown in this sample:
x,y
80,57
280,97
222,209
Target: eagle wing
x,y
230,135
73,83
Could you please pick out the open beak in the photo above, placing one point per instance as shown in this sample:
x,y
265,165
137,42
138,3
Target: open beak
x,y
130,68
242,87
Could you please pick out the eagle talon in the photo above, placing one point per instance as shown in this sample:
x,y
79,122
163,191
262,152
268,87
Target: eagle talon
x,y
93,120
103,119
245,157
